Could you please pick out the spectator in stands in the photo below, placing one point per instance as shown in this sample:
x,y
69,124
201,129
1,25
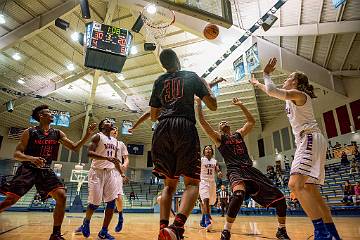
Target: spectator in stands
x,y
37,199
287,164
348,192
354,167
52,203
357,193
344,159
271,173
337,145
356,154
132,196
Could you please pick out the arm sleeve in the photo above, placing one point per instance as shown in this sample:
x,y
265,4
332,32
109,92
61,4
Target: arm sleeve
x,y
272,90
155,96
201,89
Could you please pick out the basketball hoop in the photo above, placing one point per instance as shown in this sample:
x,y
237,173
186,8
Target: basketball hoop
x,y
157,20
80,177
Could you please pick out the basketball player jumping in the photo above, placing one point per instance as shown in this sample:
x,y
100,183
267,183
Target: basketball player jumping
x,y
122,153
308,167
244,178
37,148
207,188
103,178
175,143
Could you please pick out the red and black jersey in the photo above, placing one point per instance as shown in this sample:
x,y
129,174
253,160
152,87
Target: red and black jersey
x,y
174,94
43,144
234,151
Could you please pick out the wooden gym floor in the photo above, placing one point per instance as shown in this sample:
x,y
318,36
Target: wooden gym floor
x,y
31,226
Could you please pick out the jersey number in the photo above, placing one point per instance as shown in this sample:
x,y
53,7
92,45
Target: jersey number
x,y
109,153
210,171
173,89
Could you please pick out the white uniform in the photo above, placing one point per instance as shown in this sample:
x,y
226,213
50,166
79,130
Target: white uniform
x,y
310,154
121,151
103,177
207,186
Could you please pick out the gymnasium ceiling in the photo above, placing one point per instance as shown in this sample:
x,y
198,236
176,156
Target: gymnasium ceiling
x,y
307,31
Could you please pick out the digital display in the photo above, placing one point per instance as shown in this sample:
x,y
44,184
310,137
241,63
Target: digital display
x,y
61,119
108,38
126,125
239,68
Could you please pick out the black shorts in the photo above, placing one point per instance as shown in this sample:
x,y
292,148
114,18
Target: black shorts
x,y
257,185
45,181
176,149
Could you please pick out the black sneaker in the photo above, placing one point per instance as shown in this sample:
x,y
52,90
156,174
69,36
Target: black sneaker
x,y
282,234
225,235
56,236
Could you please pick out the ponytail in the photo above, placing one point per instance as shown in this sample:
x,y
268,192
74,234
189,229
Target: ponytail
x,y
303,84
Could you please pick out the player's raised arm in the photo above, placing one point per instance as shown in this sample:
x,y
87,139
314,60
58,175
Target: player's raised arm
x,y
250,120
213,135
281,93
208,98
142,119
76,146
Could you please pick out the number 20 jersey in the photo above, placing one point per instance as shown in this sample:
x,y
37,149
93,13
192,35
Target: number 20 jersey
x,y
107,148
208,169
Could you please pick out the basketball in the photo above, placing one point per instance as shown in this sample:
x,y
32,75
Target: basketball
x,y
211,31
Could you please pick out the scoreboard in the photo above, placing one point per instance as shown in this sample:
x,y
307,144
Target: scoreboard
x,y
106,46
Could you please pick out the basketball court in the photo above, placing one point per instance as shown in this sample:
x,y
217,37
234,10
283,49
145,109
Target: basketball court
x,y
145,226
95,59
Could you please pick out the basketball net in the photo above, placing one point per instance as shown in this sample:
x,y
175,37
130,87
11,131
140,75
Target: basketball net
x,y
157,23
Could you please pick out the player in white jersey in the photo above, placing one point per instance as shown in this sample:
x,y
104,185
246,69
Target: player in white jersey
x,y
308,167
207,187
122,153
103,178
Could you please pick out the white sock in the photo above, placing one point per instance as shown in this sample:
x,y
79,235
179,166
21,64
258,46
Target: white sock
x,y
228,226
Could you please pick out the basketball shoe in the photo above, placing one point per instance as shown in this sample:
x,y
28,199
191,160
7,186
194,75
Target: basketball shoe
x,y
202,222
225,235
171,233
208,224
56,236
84,229
282,234
104,235
119,225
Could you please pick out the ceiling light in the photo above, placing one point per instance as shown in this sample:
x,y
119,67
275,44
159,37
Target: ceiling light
x,y
2,19
120,76
151,9
16,56
75,36
133,50
70,67
21,81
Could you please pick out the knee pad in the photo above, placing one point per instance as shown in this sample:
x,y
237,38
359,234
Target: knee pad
x,y
281,207
235,203
110,205
92,206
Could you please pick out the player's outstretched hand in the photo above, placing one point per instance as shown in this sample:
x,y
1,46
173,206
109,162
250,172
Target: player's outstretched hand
x,y
270,66
237,101
91,128
253,80
38,161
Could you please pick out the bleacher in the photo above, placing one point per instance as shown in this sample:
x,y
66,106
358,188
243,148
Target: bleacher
x,y
146,193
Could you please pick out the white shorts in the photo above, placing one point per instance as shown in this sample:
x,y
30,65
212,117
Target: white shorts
x,y
103,185
310,156
207,189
